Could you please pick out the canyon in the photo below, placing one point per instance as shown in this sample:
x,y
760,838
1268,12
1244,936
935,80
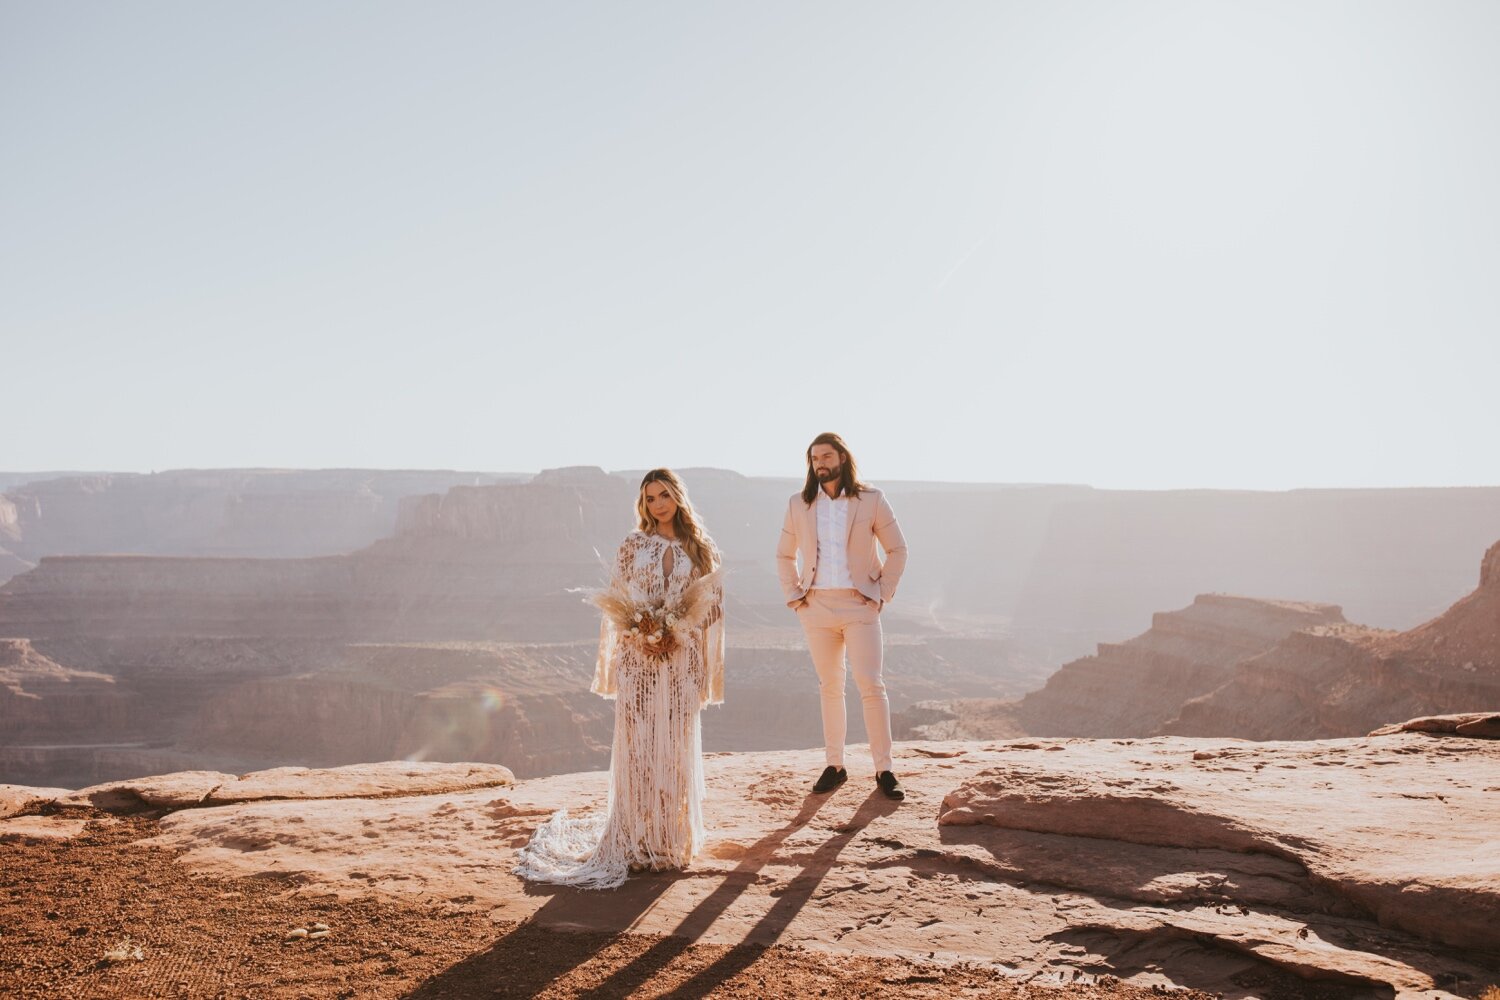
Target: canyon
x,y
1063,567
211,630
1253,669
210,512
463,635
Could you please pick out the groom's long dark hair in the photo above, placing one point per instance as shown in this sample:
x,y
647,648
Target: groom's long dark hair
x,y
849,484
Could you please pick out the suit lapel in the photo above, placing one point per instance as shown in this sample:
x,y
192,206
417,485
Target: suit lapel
x,y
853,511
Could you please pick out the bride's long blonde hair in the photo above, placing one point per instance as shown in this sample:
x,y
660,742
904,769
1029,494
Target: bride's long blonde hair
x,y
695,541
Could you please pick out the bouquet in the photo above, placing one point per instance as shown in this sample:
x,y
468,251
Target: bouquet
x,y
658,630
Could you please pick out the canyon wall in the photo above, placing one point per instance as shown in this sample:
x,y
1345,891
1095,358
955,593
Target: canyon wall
x,y
1337,681
232,512
243,704
1063,568
1252,669
1132,688
1392,558
463,634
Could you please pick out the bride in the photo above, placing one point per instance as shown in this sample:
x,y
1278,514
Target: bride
x,y
661,657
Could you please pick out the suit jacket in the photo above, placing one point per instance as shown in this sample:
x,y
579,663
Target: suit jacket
x,y
870,519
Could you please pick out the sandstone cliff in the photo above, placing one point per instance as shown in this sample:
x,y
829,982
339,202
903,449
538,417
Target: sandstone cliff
x,y
504,564
250,512
1066,566
426,644
1109,559
1131,688
1338,681
1252,669
238,704
40,697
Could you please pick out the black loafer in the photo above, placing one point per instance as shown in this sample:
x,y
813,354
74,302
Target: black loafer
x,y
831,778
887,783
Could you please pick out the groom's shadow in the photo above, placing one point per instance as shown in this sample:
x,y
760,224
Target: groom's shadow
x,y
545,956
625,981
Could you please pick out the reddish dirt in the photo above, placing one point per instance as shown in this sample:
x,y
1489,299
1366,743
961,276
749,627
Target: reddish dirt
x,y
64,902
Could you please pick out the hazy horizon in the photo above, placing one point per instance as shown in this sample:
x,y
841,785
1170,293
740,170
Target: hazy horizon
x,y
1145,245
688,469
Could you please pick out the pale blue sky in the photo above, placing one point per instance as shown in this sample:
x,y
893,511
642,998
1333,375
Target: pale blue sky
x,y
1122,243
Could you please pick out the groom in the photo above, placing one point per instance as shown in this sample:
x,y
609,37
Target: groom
x,y
843,584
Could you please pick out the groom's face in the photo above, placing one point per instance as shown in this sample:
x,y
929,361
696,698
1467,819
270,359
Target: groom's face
x,y
825,463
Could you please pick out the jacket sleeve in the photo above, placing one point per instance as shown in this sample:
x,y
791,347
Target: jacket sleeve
x,y
888,532
786,559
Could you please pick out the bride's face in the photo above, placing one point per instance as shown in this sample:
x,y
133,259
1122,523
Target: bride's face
x,y
659,502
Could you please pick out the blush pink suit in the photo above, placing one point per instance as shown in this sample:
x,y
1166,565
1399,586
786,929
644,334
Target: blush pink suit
x,y
843,621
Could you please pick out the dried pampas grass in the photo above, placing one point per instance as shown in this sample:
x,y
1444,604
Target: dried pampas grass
x,y
691,613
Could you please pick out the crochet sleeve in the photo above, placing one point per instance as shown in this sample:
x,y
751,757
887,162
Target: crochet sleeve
x,y
606,683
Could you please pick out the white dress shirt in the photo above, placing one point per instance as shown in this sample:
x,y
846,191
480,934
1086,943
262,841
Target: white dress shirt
x,y
833,543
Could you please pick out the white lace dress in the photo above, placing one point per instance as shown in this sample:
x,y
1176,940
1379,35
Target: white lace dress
x,y
654,818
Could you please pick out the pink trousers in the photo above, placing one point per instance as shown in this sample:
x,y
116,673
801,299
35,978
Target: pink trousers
x,y
839,622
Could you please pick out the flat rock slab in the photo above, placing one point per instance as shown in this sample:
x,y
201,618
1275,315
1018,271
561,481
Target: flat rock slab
x,y
360,781
180,790
40,828
1480,725
1406,827
18,798
188,789
1248,897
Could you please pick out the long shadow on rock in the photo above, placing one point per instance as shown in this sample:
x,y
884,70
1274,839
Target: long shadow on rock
x,y
1124,870
576,925
788,904
1197,962
1140,881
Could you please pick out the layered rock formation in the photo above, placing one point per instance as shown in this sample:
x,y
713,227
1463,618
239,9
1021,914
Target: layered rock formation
x,y
10,480
484,563
454,701
1067,566
1334,681
1109,559
40,697
248,512
1129,688
1132,688
1478,725
462,636
494,572
1361,866
247,703
1253,669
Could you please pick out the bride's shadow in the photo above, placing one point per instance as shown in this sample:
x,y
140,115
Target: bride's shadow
x,y
535,947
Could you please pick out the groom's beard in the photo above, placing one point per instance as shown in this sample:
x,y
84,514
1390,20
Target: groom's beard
x,y
829,475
